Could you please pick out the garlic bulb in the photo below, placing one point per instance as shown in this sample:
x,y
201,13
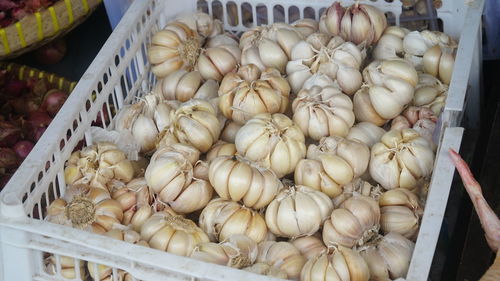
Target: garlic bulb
x,y
132,196
173,234
309,246
221,148
229,132
438,61
175,47
267,270
236,179
388,257
357,186
421,119
87,208
297,211
144,120
306,26
353,223
96,165
143,213
222,218
400,212
182,85
272,140
391,85
249,92
203,23
221,58
321,112
401,159
68,269
170,176
366,132
358,23
390,45
342,264
238,251
416,44
335,161
282,255
195,123
430,92
269,46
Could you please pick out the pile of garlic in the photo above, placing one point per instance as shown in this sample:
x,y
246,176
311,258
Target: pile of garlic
x,y
296,151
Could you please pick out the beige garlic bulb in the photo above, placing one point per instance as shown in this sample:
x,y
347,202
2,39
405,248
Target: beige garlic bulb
x,y
236,178
366,132
274,141
170,176
390,45
98,164
388,257
238,251
400,212
145,119
282,255
175,47
222,218
421,119
358,187
228,134
401,159
173,234
321,112
306,26
438,61
390,87
353,223
195,123
417,43
249,92
342,264
87,208
143,213
358,23
221,56
132,196
68,269
309,246
269,46
335,161
267,270
221,148
339,60
430,92
297,211
203,23
182,85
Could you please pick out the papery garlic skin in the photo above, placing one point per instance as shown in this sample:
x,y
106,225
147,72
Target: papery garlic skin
x,y
401,159
366,132
353,223
274,141
400,212
430,92
359,23
249,92
421,119
182,85
222,218
221,148
173,234
236,179
175,47
267,270
306,26
216,61
297,211
321,112
342,264
390,45
203,23
356,187
131,197
388,257
309,246
269,46
283,255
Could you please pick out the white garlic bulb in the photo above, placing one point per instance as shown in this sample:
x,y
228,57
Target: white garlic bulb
x,y
203,23
335,161
416,44
182,85
306,26
297,211
390,45
421,119
400,212
439,61
401,159
282,255
131,196
274,141
309,246
269,46
359,23
353,223
321,112
388,257
221,148
357,186
229,132
366,132
175,47
342,264
430,92
249,92
222,218
221,58
68,269
266,269
236,179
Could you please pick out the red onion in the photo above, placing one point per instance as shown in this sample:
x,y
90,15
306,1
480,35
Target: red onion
x,y
14,87
38,132
8,158
51,53
23,148
9,133
53,101
39,119
25,105
4,179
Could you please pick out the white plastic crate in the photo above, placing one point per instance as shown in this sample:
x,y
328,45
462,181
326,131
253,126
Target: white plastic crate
x,y
119,73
